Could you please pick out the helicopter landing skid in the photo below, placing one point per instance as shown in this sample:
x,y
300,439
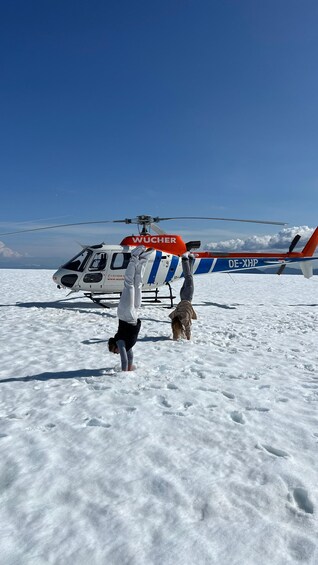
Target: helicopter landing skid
x,y
153,296
157,297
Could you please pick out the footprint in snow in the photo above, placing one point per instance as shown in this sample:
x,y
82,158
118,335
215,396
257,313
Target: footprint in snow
x,y
301,549
50,426
237,417
310,385
206,389
299,497
98,423
212,406
275,451
257,409
187,405
164,402
228,395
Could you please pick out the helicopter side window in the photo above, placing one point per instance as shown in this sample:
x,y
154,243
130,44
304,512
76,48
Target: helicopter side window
x,y
99,262
78,262
120,261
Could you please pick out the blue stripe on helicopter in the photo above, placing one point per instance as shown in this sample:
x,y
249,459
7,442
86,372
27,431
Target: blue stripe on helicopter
x,y
155,267
204,266
172,269
222,265
245,264
228,265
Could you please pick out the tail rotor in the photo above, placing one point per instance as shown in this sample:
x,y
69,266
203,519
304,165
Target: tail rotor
x,y
291,248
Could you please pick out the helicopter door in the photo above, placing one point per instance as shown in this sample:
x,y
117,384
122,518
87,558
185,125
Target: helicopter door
x,y
94,275
116,272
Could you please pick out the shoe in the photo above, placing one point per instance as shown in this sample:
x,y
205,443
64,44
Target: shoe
x,y
137,251
191,261
146,254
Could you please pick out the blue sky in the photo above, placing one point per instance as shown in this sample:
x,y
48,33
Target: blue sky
x,y
110,109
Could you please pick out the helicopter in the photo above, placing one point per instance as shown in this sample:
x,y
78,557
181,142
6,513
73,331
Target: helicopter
x,y
99,270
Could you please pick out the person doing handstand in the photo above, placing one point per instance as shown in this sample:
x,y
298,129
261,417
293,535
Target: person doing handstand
x,y
182,316
129,324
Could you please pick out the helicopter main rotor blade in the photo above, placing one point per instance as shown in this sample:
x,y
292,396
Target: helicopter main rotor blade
x,y
148,220
157,230
223,220
60,226
145,221
139,220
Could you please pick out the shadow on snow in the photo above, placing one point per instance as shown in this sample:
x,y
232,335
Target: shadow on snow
x,y
79,374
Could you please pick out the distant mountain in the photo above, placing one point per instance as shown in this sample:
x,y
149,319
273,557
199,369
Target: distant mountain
x,y
30,263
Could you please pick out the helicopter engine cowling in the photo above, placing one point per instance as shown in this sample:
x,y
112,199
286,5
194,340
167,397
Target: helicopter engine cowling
x,y
168,243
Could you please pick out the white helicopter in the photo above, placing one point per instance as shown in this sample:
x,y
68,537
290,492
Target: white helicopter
x,y
99,270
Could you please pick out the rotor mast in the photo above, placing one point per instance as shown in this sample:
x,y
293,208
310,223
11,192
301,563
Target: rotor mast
x,y
144,221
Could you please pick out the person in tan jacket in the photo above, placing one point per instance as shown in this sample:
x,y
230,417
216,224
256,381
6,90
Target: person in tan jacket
x,y
182,316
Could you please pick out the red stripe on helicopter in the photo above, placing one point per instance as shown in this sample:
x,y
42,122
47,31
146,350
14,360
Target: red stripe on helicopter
x,y
169,243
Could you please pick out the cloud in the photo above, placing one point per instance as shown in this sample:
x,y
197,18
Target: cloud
x,y
7,252
279,241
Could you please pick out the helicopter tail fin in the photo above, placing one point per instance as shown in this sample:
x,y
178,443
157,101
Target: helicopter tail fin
x,y
307,252
311,244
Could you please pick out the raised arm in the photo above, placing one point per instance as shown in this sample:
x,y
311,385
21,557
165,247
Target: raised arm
x,y
123,354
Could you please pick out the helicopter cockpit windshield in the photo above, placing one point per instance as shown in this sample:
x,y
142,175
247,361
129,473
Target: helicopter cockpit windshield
x,y
79,262
95,260
99,262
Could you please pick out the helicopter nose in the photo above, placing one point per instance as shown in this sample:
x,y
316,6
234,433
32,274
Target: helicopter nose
x,y
67,280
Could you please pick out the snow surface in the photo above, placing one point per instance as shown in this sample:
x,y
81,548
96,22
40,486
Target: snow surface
x,y
206,454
